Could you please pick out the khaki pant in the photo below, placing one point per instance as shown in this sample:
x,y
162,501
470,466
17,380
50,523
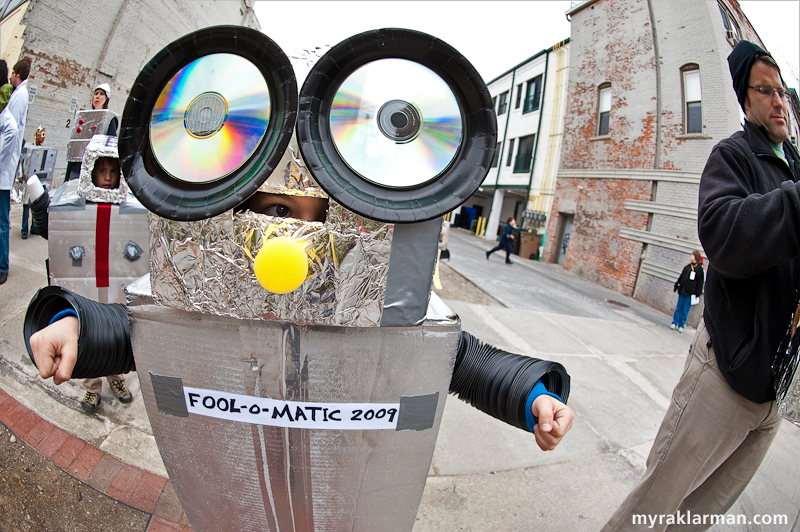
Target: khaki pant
x,y
709,446
95,385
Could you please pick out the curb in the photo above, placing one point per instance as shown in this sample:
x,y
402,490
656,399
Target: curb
x,y
140,489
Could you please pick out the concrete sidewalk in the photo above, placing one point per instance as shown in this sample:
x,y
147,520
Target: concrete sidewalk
x,y
485,475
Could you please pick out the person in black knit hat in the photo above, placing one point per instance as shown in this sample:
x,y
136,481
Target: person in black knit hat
x,y
723,415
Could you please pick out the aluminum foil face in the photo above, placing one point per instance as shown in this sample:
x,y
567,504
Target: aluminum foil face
x,y
207,266
100,146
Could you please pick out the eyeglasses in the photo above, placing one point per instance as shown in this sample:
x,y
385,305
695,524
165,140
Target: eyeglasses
x,y
767,91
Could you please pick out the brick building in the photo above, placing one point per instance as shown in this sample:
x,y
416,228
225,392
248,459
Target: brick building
x,y
650,94
529,100
76,45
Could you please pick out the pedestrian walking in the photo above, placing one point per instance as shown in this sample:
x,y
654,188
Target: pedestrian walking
x,y
689,287
505,239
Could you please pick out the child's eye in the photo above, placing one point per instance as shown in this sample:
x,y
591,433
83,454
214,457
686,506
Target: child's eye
x,y
279,210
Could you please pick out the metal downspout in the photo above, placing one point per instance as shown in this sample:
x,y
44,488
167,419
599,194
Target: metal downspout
x,y
539,127
657,158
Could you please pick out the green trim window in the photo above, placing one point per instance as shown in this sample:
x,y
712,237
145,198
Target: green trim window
x,y
693,105
522,164
519,96
510,152
533,95
502,103
603,109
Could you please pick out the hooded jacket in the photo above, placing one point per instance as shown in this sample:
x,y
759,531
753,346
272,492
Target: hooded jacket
x,y
749,225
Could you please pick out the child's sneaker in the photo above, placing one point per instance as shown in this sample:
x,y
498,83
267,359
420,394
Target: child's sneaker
x,y
90,402
122,393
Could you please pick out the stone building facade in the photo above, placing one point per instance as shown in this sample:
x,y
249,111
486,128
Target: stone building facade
x,y
650,94
76,45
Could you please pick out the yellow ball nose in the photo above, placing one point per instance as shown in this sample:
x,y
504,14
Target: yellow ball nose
x,y
281,265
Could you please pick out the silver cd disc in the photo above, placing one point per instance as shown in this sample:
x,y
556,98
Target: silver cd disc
x,y
396,123
210,118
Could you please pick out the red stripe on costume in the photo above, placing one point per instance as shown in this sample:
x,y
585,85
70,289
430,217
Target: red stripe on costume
x,y
101,244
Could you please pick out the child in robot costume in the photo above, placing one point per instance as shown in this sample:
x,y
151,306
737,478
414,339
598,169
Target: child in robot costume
x,y
295,299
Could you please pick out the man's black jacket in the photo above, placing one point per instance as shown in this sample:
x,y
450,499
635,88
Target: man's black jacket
x,y
749,225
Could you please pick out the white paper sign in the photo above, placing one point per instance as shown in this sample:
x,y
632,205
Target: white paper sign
x,y
691,276
291,414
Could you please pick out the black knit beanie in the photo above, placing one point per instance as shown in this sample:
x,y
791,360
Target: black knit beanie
x,y
740,62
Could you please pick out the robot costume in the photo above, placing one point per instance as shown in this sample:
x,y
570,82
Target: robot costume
x,y
97,238
305,394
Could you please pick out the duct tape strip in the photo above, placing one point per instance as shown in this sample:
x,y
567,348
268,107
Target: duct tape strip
x,y
411,413
417,411
169,395
411,265
101,244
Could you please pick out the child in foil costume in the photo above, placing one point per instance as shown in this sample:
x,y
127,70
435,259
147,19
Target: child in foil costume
x,y
294,362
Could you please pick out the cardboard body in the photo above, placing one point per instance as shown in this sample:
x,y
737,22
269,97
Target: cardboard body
x,y
86,124
39,160
74,223
238,476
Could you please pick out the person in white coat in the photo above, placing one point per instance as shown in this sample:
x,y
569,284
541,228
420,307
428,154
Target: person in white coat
x,y
12,127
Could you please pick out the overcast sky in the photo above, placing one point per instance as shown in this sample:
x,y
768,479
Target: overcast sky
x,y
494,35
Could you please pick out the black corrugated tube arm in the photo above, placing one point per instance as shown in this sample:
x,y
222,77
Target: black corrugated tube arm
x,y
40,214
490,379
498,383
104,345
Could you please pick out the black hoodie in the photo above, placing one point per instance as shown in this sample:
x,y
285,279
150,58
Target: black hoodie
x,y
749,225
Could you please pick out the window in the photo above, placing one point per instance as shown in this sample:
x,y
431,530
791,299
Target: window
x,y
524,154
731,27
519,96
510,152
494,102
693,107
603,109
532,95
496,158
502,103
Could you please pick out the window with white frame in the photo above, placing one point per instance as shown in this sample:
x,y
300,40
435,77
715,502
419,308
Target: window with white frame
x,y
692,100
731,26
510,152
519,96
533,94
496,158
502,103
522,164
603,109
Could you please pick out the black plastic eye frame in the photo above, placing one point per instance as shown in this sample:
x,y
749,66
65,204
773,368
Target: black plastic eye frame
x,y
183,201
402,205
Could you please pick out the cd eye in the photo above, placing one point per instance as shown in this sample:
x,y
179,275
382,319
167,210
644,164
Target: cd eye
x,y
396,125
207,121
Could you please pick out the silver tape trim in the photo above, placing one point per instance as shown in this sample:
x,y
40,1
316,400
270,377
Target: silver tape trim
x,y
411,264
169,395
417,412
